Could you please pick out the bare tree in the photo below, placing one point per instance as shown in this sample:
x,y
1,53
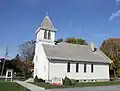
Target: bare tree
x,y
27,50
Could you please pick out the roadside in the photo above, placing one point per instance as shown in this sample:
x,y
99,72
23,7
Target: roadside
x,y
88,84
98,88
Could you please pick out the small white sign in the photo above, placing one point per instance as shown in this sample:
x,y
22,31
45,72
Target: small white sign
x,y
57,80
9,74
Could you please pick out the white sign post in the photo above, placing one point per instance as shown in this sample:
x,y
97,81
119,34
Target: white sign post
x,y
9,74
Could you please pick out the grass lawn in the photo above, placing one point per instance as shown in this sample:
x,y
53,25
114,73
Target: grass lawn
x,y
87,84
11,86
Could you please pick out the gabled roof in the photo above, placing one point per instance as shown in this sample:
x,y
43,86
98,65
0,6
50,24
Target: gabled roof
x,y
47,24
74,52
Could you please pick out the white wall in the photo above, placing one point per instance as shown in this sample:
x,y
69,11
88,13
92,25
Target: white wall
x,y
52,36
40,36
60,70
40,59
57,70
40,62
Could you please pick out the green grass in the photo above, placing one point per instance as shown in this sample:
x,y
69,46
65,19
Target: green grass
x,y
11,86
87,84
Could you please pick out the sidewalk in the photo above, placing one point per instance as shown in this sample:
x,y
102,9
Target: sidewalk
x,y
30,86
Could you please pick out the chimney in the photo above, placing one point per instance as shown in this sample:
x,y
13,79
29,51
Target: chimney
x,y
92,46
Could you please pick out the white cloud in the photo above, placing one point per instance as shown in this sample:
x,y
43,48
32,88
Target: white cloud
x,y
114,15
117,1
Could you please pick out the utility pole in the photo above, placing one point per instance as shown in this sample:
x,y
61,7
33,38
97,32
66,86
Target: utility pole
x,y
6,55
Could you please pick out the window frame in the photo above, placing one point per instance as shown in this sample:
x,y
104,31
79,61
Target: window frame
x,y
49,35
45,34
85,68
77,67
68,67
92,68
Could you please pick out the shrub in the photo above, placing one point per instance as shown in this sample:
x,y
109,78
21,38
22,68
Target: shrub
x,y
73,82
66,81
38,80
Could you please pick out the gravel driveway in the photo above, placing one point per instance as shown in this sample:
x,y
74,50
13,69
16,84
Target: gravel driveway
x,y
100,88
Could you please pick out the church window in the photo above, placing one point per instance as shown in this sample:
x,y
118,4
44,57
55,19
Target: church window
x,y
45,35
49,35
84,68
92,68
77,67
68,67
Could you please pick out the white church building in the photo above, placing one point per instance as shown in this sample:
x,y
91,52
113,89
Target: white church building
x,y
79,62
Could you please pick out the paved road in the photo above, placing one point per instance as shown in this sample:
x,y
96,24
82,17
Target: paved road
x,y
101,88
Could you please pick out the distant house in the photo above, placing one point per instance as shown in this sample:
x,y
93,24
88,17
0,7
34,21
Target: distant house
x,y
79,62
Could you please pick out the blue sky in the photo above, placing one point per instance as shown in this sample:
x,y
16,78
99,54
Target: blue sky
x,y
92,20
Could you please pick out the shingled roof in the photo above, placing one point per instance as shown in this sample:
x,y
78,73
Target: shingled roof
x,y
74,52
47,24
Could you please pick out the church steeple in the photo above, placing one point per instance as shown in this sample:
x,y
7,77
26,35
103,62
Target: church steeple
x,y
47,24
46,31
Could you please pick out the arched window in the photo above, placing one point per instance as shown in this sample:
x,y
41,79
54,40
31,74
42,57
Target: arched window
x,y
45,35
49,35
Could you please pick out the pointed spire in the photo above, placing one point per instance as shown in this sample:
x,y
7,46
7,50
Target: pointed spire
x,y
47,24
